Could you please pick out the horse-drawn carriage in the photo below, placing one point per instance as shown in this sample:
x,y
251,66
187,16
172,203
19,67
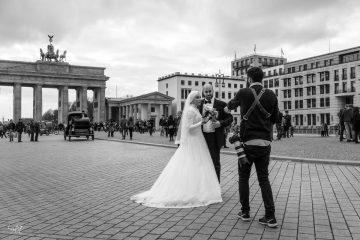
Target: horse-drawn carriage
x,y
78,125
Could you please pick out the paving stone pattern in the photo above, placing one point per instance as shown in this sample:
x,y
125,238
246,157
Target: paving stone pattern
x,y
57,189
305,146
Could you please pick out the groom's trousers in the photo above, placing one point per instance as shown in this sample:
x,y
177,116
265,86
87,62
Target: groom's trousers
x,y
260,156
214,151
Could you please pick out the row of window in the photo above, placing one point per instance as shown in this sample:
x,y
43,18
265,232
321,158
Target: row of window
x,y
263,61
312,119
345,58
324,76
324,89
271,83
196,83
310,103
184,92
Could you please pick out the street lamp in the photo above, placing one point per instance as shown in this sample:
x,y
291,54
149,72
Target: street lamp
x,y
219,83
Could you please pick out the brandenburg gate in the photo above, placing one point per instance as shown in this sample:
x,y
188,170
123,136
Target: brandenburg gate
x,y
59,74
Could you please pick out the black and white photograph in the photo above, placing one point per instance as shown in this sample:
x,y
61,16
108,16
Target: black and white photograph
x,y
179,119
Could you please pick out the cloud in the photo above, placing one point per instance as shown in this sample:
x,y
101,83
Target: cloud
x,y
139,41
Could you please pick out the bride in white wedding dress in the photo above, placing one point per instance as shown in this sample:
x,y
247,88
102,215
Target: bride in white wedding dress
x,y
189,179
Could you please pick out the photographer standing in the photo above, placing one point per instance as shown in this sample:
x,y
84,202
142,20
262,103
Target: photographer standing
x,y
259,111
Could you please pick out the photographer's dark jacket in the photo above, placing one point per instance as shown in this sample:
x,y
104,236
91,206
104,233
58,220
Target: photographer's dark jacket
x,y
257,126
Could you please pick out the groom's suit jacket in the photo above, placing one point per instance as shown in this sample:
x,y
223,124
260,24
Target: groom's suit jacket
x,y
224,118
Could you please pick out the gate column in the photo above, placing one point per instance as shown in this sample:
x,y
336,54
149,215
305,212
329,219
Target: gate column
x,y
17,102
63,107
37,108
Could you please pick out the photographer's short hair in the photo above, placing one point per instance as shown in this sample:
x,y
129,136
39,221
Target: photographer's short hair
x,y
256,74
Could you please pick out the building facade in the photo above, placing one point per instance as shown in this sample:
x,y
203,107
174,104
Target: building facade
x,y
240,66
179,85
314,89
144,107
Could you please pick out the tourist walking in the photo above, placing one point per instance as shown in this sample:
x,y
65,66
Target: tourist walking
x,y
130,125
171,127
123,126
348,115
19,129
36,130
11,128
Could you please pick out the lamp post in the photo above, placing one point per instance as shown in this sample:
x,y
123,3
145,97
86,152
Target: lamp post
x,y
220,84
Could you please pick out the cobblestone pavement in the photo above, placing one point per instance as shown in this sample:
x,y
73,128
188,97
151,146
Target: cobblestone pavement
x,y
303,146
57,189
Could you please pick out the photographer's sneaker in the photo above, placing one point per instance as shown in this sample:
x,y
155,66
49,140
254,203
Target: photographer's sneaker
x,y
270,222
245,216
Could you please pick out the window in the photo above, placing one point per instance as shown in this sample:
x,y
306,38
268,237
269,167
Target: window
x,y
308,103
352,72
327,102
185,92
327,76
241,86
182,105
271,83
265,84
313,119
167,93
229,95
293,69
222,95
296,104
196,83
308,119
152,109
285,93
235,85
182,82
352,86
313,90
336,75
322,89
313,102
322,76
322,102
344,74
327,88
189,83
229,85
216,94
317,64
349,57
344,86
277,92
305,67
310,78
167,85
276,82
301,103
336,88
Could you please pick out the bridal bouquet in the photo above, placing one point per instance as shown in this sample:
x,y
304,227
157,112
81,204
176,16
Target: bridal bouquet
x,y
210,113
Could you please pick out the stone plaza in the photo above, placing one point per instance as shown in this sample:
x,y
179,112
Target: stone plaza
x,y
57,189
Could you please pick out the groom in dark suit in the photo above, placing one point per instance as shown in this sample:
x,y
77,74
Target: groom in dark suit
x,y
214,130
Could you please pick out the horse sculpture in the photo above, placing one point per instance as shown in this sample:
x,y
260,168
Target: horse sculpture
x,y
63,57
49,56
42,55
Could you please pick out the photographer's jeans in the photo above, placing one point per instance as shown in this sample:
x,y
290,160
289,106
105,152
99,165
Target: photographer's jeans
x,y
260,156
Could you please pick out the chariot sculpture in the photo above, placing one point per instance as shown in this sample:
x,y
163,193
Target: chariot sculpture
x,y
51,54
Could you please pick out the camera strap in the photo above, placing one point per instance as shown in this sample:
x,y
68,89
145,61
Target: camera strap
x,y
256,103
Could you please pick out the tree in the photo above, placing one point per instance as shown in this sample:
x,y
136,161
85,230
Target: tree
x,y
50,115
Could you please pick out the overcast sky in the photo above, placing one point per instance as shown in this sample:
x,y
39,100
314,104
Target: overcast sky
x,y
139,41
